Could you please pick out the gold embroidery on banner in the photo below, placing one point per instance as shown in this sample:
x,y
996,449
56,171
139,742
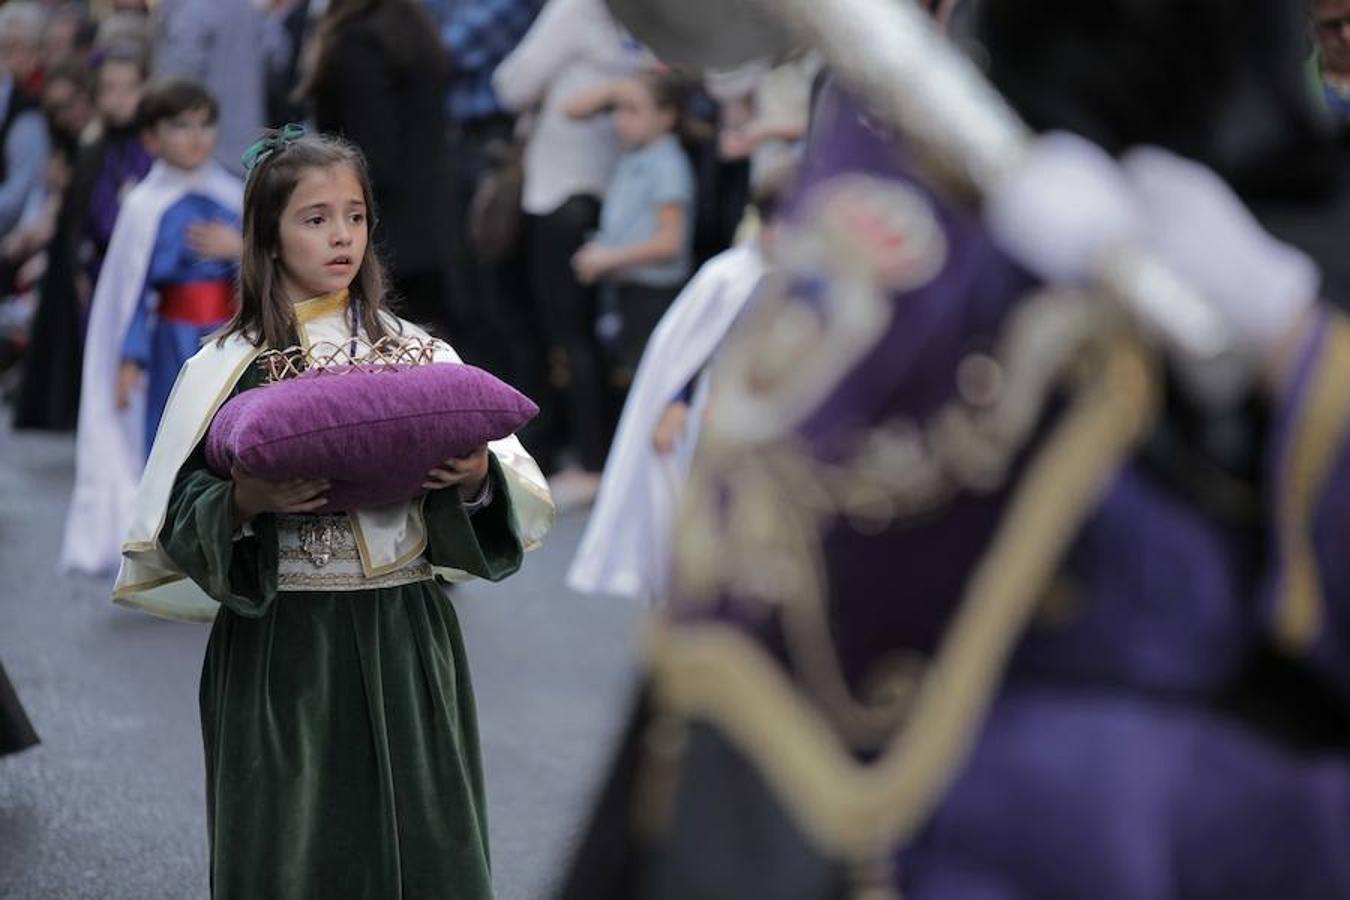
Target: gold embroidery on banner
x,y
754,512
1319,436
855,810
870,238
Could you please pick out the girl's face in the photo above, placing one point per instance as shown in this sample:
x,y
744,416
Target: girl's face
x,y
119,91
637,118
323,234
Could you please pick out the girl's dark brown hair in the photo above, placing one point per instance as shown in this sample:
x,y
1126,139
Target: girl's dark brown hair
x,y
266,316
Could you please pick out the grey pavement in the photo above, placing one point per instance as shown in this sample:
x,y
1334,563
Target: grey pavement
x,y
111,805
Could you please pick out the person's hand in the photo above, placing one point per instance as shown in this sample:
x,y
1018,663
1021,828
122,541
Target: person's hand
x,y
31,272
735,143
254,495
215,240
1197,225
466,472
671,427
21,243
591,263
11,247
129,378
1064,209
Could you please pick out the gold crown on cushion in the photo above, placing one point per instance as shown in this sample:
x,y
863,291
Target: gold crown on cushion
x,y
353,355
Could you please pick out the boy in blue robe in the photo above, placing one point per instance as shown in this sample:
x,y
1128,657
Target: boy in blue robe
x,y
166,283
188,287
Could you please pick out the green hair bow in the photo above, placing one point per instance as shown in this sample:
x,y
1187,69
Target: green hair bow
x,y
270,143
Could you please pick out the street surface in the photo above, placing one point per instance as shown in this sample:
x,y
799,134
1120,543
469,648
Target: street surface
x,y
110,805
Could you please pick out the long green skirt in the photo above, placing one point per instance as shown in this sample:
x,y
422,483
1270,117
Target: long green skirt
x,y
341,741
342,751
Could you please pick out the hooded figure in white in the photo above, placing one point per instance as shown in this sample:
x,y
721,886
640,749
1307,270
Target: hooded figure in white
x,y
626,548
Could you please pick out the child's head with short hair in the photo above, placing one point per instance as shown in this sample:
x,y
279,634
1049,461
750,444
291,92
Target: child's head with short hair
x,y
308,212
649,106
178,118
119,83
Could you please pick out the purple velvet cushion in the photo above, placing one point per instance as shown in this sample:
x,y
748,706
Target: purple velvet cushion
x,y
374,435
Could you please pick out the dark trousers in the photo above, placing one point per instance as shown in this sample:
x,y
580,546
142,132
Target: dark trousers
x,y
568,311
493,322
486,301
640,308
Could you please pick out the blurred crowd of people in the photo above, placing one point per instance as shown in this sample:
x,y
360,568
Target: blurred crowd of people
x,y
545,187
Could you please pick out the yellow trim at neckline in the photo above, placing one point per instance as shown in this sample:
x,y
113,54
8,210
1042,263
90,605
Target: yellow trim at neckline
x,y
318,307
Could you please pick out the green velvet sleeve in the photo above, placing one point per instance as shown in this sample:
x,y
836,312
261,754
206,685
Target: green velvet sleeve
x,y
484,544
198,535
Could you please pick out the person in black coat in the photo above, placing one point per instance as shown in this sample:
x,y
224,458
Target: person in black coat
x,y
379,79
16,732
49,394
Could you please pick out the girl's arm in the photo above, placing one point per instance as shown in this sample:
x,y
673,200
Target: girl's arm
x,y
479,538
201,534
221,531
593,262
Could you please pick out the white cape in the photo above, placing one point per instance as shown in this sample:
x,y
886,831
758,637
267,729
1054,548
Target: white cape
x,y
626,548
387,538
109,447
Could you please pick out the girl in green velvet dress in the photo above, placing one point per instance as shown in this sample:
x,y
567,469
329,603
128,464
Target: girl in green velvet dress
x,y
342,754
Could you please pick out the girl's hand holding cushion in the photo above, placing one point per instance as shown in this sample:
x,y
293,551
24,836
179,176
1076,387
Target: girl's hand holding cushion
x,y
468,472
254,495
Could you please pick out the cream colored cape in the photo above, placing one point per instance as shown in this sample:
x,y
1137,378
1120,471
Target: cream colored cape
x,y
387,538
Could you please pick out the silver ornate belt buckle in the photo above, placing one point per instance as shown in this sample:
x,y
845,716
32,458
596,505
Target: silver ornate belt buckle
x,y
318,538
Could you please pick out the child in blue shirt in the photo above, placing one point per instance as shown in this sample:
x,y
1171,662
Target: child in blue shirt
x,y
643,250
